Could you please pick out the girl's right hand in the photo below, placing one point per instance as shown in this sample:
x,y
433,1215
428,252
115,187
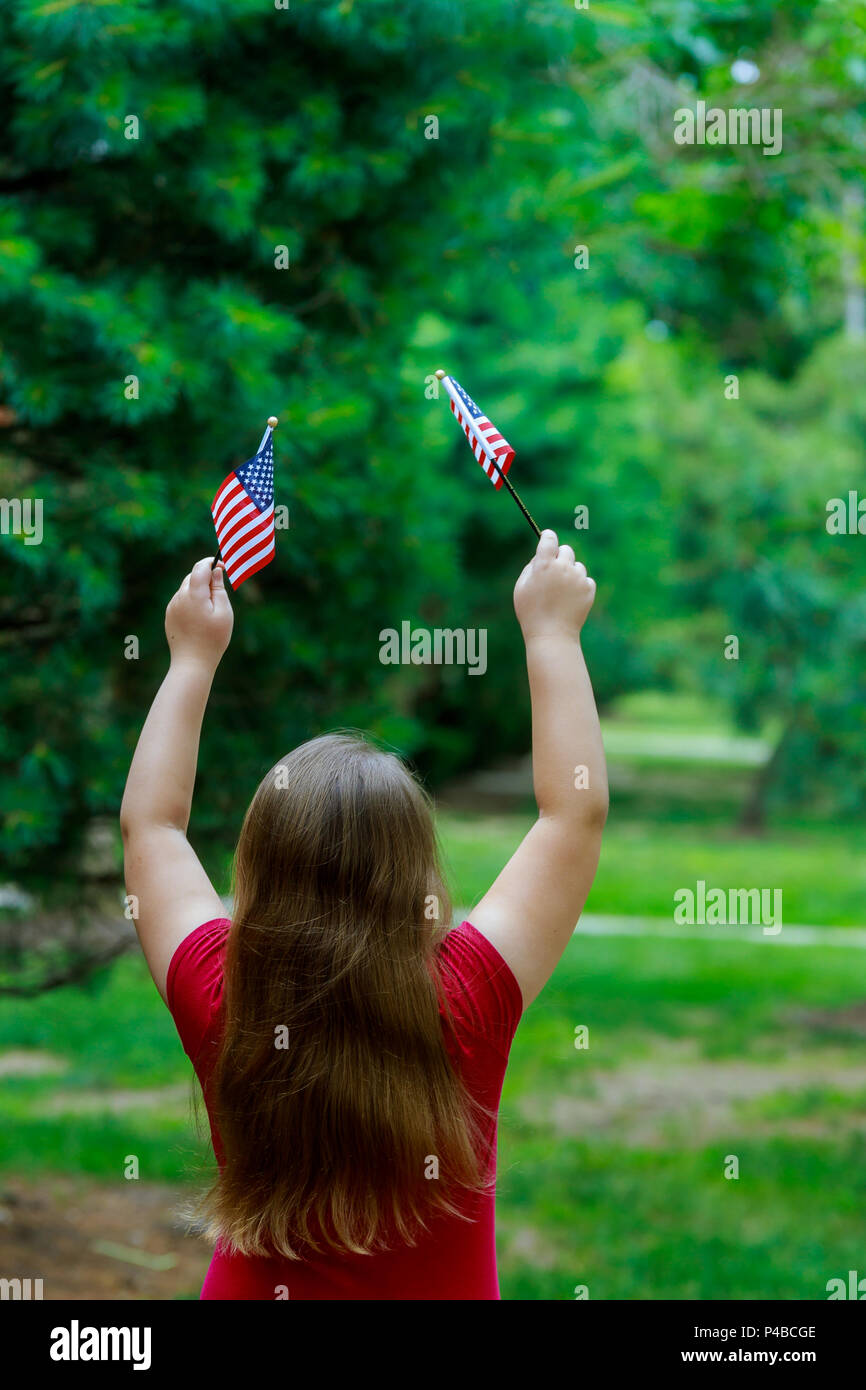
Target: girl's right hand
x,y
554,592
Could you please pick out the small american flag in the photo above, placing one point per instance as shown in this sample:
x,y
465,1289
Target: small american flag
x,y
243,514
492,451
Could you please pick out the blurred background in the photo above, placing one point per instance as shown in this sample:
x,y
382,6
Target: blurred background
x,y
211,214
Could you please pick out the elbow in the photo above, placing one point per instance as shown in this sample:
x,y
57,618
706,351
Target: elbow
x,y
129,819
129,831
601,807
586,811
135,823
594,811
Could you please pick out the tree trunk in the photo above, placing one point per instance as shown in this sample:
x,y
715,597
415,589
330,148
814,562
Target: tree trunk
x,y
753,815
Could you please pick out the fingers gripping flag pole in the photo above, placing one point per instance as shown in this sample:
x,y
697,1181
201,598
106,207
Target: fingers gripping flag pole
x,y
492,451
243,513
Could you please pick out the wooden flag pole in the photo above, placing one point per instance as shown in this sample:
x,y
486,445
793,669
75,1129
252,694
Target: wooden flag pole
x,y
440,374
272,424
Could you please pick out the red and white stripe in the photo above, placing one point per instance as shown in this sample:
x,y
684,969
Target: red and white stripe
x,y
492,451
246,536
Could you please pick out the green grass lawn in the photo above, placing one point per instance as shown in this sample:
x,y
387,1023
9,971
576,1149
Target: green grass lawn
x,y
822,873
612,1158
673,819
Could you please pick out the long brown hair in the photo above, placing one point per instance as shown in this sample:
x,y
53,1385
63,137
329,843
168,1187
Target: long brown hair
x,y
333,1090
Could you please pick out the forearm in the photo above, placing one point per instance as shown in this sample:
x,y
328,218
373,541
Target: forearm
x,y
566,736
162,774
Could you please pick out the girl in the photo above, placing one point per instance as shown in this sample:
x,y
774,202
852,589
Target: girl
x,y
350,1047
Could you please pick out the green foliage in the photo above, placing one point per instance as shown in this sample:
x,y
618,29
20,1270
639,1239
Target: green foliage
x,y
154,257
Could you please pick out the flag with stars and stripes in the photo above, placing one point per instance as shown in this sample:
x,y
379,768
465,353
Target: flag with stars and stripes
x,y
243,514
492,451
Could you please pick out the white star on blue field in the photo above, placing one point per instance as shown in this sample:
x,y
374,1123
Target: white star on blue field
x,y
257,476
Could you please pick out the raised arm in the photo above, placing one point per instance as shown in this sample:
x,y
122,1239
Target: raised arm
x,y
171,892
531,910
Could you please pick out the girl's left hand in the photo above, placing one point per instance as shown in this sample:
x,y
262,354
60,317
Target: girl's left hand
x,y
199,619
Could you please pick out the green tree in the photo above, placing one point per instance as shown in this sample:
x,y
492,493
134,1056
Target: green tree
x,y
160,166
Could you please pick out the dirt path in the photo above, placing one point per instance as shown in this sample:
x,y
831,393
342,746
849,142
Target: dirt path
x,y
678,1097
88,1239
